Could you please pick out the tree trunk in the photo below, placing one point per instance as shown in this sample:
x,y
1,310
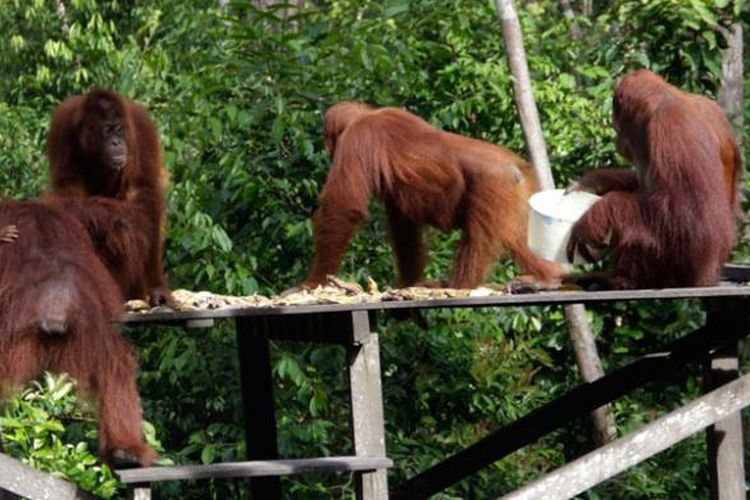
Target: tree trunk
x,y
587,8
575,30
519,68
62,16
590,367
294,6
587,355
731,97
731,94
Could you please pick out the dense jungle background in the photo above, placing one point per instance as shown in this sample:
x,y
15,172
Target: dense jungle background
x,y
238,90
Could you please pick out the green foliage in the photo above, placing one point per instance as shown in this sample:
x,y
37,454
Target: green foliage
x,y
50,428
238,95
46,427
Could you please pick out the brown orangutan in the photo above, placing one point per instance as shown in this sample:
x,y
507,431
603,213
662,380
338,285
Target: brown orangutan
x,y
424,176
671,221
101,144
58,301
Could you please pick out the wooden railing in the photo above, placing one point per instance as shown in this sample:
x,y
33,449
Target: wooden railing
x,y
613,458
17,478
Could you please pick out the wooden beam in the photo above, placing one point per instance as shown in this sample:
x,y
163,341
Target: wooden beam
x,y
255,468
608,461
21,479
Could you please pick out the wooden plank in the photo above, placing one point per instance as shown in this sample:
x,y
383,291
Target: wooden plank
x,y
256,468
368,428
21,479
543,298
607,461
572,405
258,403
6,495
737,272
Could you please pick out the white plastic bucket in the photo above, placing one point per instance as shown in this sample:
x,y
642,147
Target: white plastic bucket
x,y
551,217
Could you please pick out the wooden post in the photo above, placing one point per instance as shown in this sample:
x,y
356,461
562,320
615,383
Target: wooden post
x,y
258,403
724,438
139,492
368,428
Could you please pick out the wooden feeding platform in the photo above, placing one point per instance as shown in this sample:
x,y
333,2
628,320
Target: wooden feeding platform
x,y
350,325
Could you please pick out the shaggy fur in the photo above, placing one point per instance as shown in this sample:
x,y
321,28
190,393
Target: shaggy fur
x,y
671,222
58,301
116,233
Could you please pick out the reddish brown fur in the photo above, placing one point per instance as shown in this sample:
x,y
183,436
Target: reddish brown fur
x,y
671,221
76,170
58,300
423,175
113,226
